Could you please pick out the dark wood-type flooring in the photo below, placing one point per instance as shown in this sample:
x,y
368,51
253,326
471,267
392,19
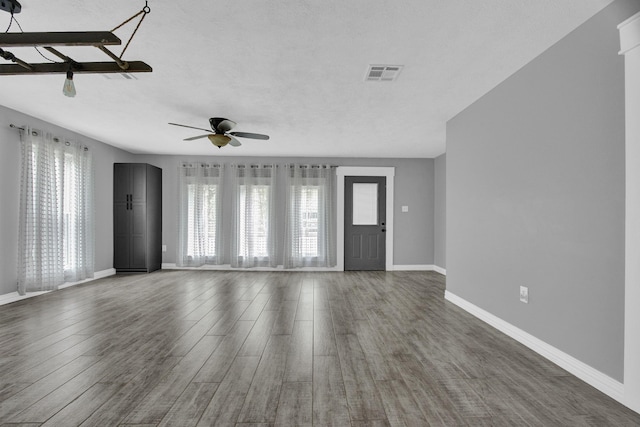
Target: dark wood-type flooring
x,y
187,348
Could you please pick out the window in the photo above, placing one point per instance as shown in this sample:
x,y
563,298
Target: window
x,y
199,237
309,210
55,236
307,214
308,237
253,233
254,221
69,211
203,203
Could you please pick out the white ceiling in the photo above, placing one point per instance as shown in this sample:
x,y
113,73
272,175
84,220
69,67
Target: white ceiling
x,y
293,69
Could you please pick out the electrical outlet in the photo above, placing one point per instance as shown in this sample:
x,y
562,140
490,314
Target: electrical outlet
x,y
405,209
524,294
164,248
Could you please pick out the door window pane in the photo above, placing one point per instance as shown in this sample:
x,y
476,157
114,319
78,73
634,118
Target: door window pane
x,y
365,203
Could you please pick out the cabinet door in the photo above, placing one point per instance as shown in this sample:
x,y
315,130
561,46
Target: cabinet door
x,y
121,236
139,182
138,236
121,182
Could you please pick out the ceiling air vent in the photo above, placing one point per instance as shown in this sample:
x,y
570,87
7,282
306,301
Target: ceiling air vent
x,y
383,73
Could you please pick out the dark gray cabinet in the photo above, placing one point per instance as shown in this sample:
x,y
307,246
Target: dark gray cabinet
x,y
137,217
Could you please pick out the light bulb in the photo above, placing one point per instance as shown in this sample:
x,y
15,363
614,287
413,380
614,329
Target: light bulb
x,y
69,89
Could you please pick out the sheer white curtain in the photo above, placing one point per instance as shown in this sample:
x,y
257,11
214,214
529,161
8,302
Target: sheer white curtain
x,y
253,231
309,216
56,226
200,200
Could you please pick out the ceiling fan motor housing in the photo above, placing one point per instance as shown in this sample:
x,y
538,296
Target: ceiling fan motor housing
x,y
221,125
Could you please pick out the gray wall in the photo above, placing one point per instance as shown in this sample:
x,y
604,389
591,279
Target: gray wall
x,y
413,238
535,195
104,156
413,230
440,212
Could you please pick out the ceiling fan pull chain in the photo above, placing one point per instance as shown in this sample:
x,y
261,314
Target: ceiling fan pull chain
x,y
145,10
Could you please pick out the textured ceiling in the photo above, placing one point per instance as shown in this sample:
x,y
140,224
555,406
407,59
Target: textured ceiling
x,y
293,69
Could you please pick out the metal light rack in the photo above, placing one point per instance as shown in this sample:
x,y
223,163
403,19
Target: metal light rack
x,y
47,40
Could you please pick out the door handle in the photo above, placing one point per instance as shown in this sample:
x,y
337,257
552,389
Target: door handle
x,y
383,230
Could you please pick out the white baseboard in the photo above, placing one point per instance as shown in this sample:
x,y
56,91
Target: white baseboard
x,y
15,296
586,373
97,275
440,270
414,267
420,267
227,267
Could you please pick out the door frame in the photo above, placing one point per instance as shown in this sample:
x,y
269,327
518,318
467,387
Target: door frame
x,y
341,172
630,48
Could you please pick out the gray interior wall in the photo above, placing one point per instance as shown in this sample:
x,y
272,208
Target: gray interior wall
x,y
104,157
440,212
535,196
413,230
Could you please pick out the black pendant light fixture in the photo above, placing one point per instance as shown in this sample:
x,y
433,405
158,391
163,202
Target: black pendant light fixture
x,y
47,41
11,6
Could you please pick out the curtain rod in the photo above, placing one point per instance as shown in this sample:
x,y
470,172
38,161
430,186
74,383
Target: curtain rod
x,y
56,139
308,166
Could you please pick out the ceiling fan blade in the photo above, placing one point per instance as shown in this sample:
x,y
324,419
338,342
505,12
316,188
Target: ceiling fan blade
x,y
234,141
249,135
196,137
190,127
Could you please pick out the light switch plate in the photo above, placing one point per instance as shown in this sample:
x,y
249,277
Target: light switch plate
x,y
405,209
164,248
524,294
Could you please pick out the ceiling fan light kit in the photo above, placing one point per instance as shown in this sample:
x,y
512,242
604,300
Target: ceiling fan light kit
x,y
220,134
218,140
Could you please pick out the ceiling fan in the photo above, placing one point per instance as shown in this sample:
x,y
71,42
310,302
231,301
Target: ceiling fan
x,y
220,134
